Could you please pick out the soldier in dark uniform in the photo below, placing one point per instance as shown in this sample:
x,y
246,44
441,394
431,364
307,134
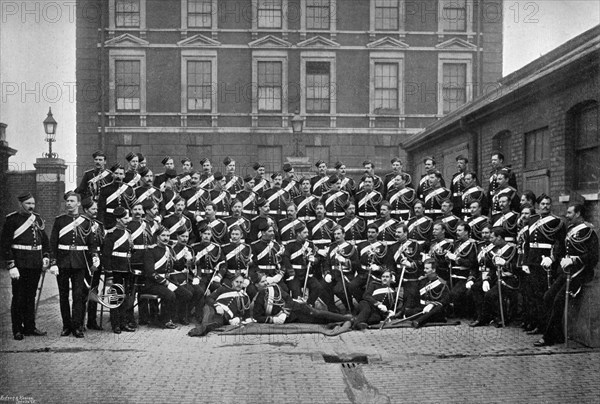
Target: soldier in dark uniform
x,y
114,195
405,256
73,252
506,218
434,297
463,266
146,190
287,225
318,183
237,256
209,259
400,197
335,200
219,197
233,183
159,262
368,200
457,184
438,248
386,225
306,201
378,184
186,173
237,219
504,189
377,303
263,217
578,262
472,193
207,179
277,198
321,230
435,194
248,198
475,282
26,250
420,226
542,249
183,276
424,184
179,220
389,179
355,228
160,179
131,174
170,193
527,215
290,183
273,305
195,197
220,234
341,263
266,258
502,259
260,182
476,221
116,255
92,276
348,183
372,258
94,179
497,165
448,219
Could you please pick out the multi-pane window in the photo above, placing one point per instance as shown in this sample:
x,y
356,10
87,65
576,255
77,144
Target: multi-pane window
x,y
199,85
454,86
537,147
269,86
386,86
386,15
199,13
587,148
454,15
269,13
127,13
317,14
318,84
127,85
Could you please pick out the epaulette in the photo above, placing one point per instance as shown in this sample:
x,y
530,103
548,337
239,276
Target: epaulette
x,y
12,214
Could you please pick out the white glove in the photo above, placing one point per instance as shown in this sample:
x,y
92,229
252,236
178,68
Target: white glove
x,y
428,308
219,310
14,273
406,262
486,286
45,262
246,283
280,318
499,261
53,270
172,287
235,321
188,255
526,269
95,261
248,320
328,278
546,261
322,252
340,259
196,281
271,280
566,261
108,282
158,219
451,256
375,267
469,284
382,307
311,258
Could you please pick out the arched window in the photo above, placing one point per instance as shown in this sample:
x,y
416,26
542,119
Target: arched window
x,y
502,142
584,133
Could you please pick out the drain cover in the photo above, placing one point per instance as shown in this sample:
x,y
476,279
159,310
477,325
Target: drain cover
x,y
346,361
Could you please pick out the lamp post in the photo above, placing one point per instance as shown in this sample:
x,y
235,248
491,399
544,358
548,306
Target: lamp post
x,y
50,128
297,125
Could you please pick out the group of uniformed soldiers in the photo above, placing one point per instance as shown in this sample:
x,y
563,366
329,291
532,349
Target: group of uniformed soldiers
x,y
228,250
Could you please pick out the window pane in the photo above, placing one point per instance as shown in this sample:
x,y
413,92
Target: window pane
x,y
386,86
127,84
199,85
588,169
454,85
269,13
454,15
386,15
199,13
317,14
586,127
269,86
317,87
537,147
127,13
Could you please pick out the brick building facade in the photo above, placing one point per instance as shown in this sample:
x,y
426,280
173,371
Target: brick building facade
x,y
214,78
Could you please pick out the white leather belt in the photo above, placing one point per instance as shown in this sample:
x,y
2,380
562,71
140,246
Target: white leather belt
x,y
367,214
72,247
26,247
400,211
334,214
109,210
540,245
433,211
267,267
120,254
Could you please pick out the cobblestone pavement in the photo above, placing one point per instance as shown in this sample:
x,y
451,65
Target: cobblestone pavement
x,y
438,364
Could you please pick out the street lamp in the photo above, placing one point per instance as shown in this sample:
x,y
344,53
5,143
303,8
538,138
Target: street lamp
x,y
50,128
297,125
